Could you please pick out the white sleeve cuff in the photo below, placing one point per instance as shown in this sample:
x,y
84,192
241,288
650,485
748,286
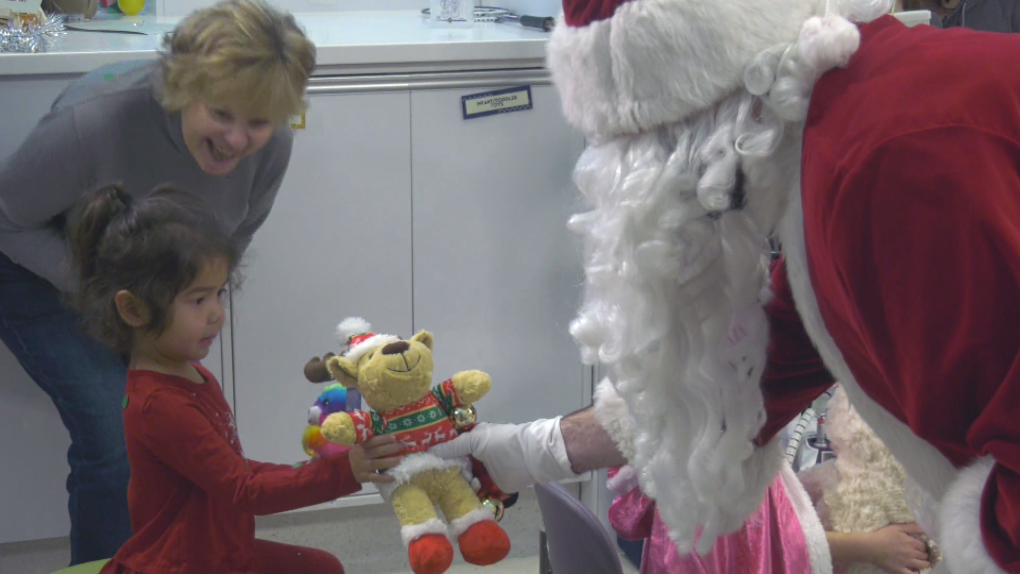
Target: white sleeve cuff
x,y
546,456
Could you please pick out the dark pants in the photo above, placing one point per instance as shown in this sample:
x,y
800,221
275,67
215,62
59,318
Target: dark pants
x,y
86,381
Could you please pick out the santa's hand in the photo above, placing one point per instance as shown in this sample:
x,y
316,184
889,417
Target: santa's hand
x,y
515,455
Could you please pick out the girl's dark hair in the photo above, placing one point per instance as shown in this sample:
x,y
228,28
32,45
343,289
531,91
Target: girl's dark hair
x,y
152,247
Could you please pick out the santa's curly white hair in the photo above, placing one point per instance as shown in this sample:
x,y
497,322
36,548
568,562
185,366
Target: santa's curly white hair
x,y
675,256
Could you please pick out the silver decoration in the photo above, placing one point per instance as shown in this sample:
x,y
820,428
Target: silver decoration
x,y
32,38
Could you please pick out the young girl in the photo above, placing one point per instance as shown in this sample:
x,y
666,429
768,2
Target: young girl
x,y
151,274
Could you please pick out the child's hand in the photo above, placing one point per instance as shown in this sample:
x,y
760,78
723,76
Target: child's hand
x,y
898,548
375,454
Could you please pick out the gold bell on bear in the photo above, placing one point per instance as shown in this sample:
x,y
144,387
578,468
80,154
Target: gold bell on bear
x,y
464,417
495,506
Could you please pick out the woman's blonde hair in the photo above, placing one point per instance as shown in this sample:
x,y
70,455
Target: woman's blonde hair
x,y
242,53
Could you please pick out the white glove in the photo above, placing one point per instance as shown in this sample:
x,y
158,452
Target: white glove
x,y
516,456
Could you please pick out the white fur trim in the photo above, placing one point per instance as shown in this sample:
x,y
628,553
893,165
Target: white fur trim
x,y
413,464
460,525
922,461
828,42
810,524
659,61
413,532
960,522
352,326
368,345
613,414
626,480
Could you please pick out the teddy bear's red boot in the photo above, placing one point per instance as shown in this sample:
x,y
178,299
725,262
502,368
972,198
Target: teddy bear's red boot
x,y
484,543
430,554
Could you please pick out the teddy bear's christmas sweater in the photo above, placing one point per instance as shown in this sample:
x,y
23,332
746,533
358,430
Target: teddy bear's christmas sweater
x,y
419,425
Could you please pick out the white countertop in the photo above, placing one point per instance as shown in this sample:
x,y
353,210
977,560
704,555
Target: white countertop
x,y
346,43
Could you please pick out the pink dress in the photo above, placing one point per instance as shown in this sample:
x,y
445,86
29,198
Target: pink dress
x,y
770,542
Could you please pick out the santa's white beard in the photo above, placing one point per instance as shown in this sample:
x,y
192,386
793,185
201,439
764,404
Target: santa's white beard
x,y
675,285
676,278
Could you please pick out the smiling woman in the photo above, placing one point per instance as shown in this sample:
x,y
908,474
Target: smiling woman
x,y
234,71
209,117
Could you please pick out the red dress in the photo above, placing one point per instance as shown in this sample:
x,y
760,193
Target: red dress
x,y
193,495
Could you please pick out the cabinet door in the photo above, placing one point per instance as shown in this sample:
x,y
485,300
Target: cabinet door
x,y
337,244
497,275
33,442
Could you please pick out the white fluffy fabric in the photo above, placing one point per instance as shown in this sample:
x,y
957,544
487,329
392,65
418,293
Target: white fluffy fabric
x,y
460,525
673,305
368,345
960,522
413,464
356,326
352,326
656,62
614,417
828,42
675,241
415,531
869,492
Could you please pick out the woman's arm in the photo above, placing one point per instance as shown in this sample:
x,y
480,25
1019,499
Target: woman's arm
x,y
39,183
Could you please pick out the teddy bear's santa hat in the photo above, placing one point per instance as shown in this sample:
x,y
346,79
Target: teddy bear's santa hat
x,y
357,334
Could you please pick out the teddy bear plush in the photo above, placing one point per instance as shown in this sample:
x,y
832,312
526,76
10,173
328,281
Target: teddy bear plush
x,y
863,488
394,378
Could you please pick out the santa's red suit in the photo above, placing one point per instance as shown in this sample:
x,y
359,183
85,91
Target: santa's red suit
x,y
901,272
905,265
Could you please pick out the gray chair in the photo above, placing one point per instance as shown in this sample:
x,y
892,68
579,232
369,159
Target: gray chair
x,y
578,543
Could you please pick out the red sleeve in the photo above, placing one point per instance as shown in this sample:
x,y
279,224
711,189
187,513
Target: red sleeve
x,y
794,375
177,433
925,238
258,467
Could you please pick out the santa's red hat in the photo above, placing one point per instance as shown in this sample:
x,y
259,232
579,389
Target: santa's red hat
x,y
626,66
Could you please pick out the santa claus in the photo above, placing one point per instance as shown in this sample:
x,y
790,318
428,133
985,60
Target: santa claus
x,y
885,160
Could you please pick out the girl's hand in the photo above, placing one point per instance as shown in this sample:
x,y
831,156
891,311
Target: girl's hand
x,y
373,455
898,549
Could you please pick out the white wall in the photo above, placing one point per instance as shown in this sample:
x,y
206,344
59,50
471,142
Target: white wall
x,y
528,7
182,7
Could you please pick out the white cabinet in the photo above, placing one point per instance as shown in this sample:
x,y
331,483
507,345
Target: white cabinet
x,y
33,441
337,244
497,274
397,210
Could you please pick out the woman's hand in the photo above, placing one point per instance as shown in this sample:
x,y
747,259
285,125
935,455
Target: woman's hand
x,y
899,548
375,454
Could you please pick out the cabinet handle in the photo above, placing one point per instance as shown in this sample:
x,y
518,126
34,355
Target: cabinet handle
x,y
545,24
427,81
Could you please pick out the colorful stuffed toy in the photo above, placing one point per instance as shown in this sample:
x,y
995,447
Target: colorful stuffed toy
x,y
333,399
393,376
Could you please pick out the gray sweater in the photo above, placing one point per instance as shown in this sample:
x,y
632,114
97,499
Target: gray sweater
x,y
107,127
985,15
